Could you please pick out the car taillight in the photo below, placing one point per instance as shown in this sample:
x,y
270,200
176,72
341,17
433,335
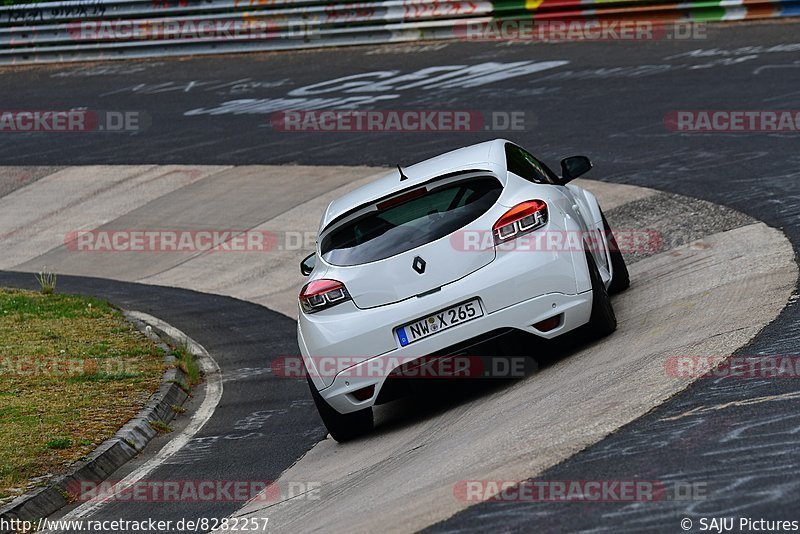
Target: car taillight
x,y
521,219
321,294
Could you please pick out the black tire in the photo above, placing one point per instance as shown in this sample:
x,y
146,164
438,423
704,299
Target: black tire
x,y
342,427
620,280
603,321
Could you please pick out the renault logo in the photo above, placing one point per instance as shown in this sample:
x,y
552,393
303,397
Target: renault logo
x,y
419,265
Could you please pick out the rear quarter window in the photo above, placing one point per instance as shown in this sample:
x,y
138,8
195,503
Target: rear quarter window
x,y
524,165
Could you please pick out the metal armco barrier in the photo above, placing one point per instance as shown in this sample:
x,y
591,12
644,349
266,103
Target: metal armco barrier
x,y
86,30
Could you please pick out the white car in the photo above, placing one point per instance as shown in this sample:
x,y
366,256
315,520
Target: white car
x,y
435,256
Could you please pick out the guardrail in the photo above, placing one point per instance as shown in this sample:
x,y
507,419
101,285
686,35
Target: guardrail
x,y
86,30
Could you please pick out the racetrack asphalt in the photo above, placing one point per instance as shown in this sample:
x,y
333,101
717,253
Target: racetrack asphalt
x,y
608,101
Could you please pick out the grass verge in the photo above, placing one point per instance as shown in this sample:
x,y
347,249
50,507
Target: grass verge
x,y
72,372
187,363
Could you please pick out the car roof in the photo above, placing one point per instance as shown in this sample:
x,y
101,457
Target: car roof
x,y
489,155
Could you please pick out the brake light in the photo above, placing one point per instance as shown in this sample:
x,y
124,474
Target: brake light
x,y
521,219
321,294
399,199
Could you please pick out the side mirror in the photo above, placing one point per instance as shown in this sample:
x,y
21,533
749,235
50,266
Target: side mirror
x,y
308,263
574,166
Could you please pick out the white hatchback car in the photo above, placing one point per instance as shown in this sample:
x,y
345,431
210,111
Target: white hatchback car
x,y
437,256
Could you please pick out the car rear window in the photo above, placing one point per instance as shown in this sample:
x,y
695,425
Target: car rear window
x,y
427,215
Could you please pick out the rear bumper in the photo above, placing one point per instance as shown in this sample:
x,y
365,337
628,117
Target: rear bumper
x,y
348,332
337,389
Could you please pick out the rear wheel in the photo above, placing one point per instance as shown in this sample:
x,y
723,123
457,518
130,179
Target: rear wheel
x,y
343,427
620,280
603,321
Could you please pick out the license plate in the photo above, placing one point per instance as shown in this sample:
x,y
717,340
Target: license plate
x,y
433,324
